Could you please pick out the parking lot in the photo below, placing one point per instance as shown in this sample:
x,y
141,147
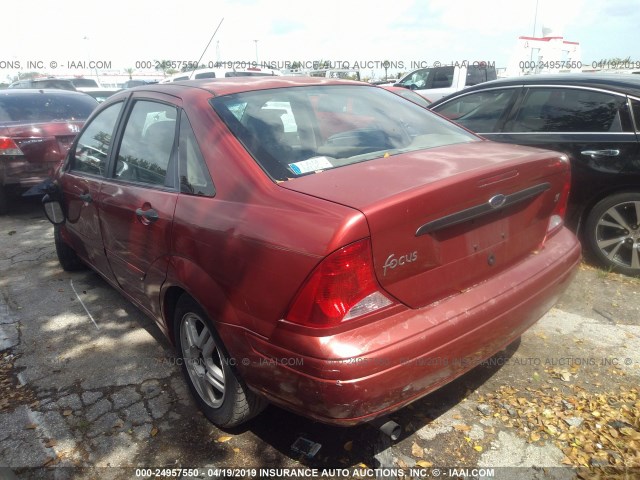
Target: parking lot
x,y
87,381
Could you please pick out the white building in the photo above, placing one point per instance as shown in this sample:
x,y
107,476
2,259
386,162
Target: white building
x,y
550,53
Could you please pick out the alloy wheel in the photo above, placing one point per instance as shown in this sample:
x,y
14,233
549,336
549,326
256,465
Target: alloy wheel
x,y
618,234
203,359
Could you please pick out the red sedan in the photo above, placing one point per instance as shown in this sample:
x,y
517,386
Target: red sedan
x,y
300,245
36,130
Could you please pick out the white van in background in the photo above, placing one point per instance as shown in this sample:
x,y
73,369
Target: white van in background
x,y
221,73
437,82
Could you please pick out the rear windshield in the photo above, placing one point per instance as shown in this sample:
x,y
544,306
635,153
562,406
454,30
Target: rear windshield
x,y
303,130
45,107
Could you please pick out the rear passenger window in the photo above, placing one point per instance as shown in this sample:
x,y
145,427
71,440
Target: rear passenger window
x,y
147,144
94,143
569,110
194,176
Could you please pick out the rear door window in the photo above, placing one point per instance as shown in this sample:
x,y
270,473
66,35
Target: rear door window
x,y
442,77
147,144
569,110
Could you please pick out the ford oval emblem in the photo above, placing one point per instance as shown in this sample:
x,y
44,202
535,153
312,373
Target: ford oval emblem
x,y
497,201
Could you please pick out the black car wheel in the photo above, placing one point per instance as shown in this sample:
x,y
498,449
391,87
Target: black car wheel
x,y
67,256
220,393
612,232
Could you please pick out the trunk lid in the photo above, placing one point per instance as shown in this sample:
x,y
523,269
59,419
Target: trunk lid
x,y
46,142
43,144
444,219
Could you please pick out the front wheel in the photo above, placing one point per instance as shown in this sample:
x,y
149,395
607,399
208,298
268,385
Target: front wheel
x,y
68,258
220,393
612,232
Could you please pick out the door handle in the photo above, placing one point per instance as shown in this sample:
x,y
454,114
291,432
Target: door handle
x,y
601,153
150,215
86,197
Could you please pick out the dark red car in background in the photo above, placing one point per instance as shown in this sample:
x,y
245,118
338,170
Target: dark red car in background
x,y
36,130
300,245
408,94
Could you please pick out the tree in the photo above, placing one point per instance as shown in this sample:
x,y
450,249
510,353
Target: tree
x,y
164,66
129,71
26,76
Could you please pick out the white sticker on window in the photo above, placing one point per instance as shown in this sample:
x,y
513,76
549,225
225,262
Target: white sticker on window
x,y
312,165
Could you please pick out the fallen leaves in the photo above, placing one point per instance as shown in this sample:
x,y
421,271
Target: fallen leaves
x,y
592,429
12,393
223,439
417,450
461,428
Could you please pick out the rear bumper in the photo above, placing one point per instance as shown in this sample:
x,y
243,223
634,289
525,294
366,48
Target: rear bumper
x,y
21,173
378,367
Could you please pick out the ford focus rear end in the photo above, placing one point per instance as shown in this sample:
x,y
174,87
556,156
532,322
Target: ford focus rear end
x,y
462,248
333,248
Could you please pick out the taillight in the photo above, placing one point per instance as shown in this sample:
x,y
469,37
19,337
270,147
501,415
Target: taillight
x,y
9,147
342,287
556,220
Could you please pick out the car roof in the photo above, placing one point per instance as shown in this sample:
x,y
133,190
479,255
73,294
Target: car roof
x,y
616,82
38,91
226,86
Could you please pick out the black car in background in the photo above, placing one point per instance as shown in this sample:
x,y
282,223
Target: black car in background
x,y
595,119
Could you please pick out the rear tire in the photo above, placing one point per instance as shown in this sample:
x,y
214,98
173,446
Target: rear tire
x,y
215,385
67,256
612,232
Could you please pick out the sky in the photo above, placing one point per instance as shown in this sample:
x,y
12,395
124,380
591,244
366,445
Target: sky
x,y
126,33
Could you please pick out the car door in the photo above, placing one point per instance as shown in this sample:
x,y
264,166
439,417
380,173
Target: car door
x,y
137,201
592,126
81,184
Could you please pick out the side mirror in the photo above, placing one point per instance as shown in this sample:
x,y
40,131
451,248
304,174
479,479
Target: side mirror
x,y
53,210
